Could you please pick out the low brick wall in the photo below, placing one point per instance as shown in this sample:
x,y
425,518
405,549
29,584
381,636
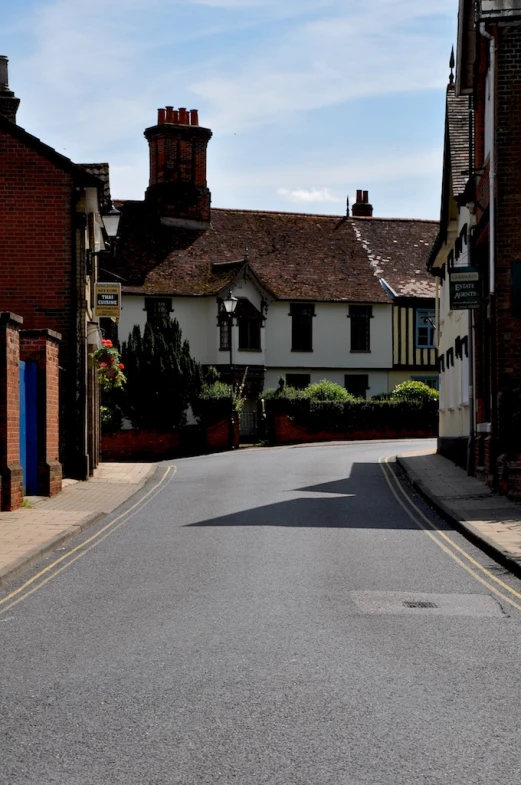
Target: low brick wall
x,y
152,446
139,445
287,432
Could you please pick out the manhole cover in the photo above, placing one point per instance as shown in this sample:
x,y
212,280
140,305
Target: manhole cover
x,y
398,603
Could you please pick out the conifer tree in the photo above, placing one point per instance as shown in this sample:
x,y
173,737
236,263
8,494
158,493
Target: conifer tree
x,y
162,376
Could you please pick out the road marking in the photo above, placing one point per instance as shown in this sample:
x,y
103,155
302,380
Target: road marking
x,y
430,528
81,550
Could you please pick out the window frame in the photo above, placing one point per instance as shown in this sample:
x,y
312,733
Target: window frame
x,y
306,376
302,315
359,377
360,316
430,313
152,302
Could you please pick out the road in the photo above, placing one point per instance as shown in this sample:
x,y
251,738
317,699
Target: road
x,y
272,616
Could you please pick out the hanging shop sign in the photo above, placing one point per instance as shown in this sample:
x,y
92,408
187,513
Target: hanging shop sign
x,y
108,299
465,288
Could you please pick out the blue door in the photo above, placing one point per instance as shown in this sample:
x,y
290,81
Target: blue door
x,y
23,428
29,426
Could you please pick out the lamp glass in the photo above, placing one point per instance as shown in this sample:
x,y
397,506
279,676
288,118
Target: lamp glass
x,y
230,303
111,222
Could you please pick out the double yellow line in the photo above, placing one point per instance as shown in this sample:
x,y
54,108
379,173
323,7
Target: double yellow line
x,y
464,559
63,562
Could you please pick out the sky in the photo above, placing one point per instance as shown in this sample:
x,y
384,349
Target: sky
x,y
308,100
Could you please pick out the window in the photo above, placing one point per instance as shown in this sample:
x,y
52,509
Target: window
x,y
360,316
224,333
158,308
357,384
298,380
249,320
430,381
425,328
302,327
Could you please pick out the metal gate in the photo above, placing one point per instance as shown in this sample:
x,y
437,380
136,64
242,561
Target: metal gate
x,y
29,426
248,427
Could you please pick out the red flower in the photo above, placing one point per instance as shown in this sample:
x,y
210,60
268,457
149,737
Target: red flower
x,y
107,343
121,366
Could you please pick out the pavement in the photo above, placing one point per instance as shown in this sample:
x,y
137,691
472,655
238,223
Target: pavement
x,y
45,523
491,521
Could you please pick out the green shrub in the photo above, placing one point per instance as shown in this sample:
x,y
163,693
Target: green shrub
x,y
111,419
414,391
214,403
325,390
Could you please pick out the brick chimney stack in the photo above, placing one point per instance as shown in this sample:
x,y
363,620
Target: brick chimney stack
x,y
178,168
362,208
8,102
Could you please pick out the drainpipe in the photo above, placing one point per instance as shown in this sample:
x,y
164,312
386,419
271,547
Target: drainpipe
x,y
492,170
492,253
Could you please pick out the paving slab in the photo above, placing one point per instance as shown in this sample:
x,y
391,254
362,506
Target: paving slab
x,y
29,533
492,521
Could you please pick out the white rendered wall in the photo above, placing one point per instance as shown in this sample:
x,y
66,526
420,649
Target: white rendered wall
x,y
331,339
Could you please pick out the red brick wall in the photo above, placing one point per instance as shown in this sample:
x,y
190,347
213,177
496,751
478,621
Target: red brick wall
x,y
42,346
287,432
10,470
139,445
35,250
506,340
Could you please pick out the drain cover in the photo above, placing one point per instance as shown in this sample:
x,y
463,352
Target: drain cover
x,y
424,603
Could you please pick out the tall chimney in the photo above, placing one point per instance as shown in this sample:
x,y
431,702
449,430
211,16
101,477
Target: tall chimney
x,y
178,185
362,208
8,102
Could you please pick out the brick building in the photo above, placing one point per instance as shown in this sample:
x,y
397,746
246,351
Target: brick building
x,y
49,220
488,84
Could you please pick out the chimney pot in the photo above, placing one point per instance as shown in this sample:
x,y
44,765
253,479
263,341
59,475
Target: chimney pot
x,y
176,117
183,116
169,114
194,117
359,196
160,116
365,199
4,81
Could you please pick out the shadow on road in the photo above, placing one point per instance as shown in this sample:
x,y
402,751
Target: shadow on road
x,y
361,501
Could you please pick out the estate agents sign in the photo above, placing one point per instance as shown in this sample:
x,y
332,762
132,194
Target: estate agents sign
x,y
108,299
465,288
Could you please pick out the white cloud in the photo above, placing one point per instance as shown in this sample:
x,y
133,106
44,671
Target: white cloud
x,y
311,195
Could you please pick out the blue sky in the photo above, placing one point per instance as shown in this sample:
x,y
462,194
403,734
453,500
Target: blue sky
x,y
308,100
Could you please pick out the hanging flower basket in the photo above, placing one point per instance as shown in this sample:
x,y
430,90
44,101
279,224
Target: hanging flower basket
x,y
109,366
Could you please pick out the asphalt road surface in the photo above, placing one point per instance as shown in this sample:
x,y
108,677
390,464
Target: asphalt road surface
x,y
272,616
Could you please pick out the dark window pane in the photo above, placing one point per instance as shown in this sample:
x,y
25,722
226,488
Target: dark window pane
x,y
298,380
158,308
360,316
224,334
357,384
302,327
249,333
425,328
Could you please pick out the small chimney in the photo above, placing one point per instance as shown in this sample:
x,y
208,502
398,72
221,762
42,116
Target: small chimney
x,y
362,208
8,102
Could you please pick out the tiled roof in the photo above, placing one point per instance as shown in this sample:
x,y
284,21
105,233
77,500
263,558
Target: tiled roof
x,y
398,250
296,256
458,133
101,171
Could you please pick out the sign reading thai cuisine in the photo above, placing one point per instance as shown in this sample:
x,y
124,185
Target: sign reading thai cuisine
x,y
465,288
108,299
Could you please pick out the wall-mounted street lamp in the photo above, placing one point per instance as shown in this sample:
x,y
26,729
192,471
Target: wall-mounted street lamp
x,y
230,305
111,221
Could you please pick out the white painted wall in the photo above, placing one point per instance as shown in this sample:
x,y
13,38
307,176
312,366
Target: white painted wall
x,y
331,338
331,357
